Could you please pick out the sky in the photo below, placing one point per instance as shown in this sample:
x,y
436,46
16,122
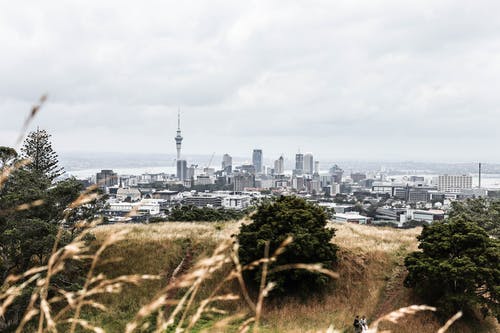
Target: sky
x,y
361,80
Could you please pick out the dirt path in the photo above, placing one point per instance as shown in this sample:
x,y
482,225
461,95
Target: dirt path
x,y
392,293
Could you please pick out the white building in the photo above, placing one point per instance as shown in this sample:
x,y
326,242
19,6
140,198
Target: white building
x,y
454,183
145,206
236,201
133,194
352,217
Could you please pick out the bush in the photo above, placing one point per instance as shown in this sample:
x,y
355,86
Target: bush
x,y
193,213
457,268
274,221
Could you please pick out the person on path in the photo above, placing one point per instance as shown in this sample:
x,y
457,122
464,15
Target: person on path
x,y
364,324
357,325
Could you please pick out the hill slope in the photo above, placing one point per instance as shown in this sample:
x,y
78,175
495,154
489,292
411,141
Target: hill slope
x,y
370,283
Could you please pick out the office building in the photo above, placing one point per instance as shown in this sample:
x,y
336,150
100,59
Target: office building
x,y
257,160
357,177
454,183
106,178
279,166
299,164
227,164
242,180
182,170
336,172
316,167
308,164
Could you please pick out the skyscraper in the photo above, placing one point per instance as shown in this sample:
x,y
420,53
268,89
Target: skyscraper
x,y
227,163
308,164
257,160
279,166
299,163
316,167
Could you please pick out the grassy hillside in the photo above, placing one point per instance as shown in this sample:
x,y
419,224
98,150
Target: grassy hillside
x,y
370,283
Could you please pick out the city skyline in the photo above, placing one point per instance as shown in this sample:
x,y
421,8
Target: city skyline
x,y
392,81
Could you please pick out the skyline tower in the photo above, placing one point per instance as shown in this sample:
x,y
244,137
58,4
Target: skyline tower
x,y
178,138
257,160
308,163
299,163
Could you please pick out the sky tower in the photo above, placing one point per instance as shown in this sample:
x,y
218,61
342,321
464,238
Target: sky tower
x,y
178,138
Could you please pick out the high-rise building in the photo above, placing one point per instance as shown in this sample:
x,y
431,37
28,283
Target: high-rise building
x,y
454,183
182,170
336,172
257,160
279,166
227,163
316,167
106,178
242,180
299,163
308,164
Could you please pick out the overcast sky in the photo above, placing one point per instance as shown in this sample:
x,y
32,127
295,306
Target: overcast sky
x,y
367,80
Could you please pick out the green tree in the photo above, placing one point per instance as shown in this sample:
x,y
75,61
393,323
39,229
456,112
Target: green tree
x,y
38,148
457,267
484,212
274,221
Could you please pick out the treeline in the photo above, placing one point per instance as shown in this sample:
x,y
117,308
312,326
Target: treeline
x,y
193,213
36,209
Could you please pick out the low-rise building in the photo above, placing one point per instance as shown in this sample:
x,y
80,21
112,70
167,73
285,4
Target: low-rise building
x,y
352,217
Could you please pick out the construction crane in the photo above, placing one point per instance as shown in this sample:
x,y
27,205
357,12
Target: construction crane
x,y
210,161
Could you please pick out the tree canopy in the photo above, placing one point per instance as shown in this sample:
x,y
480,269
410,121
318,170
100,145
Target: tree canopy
x,y
273,222
457,267
38,149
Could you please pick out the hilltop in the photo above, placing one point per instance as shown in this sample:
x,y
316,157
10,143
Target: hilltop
x,y
370,267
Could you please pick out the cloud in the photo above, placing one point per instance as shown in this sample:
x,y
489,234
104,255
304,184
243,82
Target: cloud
x,y
339,78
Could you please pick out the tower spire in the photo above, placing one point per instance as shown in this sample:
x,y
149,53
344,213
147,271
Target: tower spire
x,y
179,119
178,138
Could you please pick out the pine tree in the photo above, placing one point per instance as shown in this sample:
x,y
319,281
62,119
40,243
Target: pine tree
x,y
44,160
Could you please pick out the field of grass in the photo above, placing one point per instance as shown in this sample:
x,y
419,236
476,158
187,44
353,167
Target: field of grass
x,y
370,283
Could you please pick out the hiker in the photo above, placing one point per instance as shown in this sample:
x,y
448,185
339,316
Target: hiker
x,y
364,324
357,325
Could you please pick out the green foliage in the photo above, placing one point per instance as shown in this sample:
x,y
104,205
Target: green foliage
x,y
193,213
484,212
44,161
274,221
458,267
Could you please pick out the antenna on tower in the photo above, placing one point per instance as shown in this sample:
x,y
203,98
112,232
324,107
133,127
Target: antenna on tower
x,y
179,118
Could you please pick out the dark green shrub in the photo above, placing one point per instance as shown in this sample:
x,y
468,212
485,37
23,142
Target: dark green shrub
x,y
458,267
274,221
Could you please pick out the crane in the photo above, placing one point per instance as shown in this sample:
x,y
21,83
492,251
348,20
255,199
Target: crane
x,y
210,161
